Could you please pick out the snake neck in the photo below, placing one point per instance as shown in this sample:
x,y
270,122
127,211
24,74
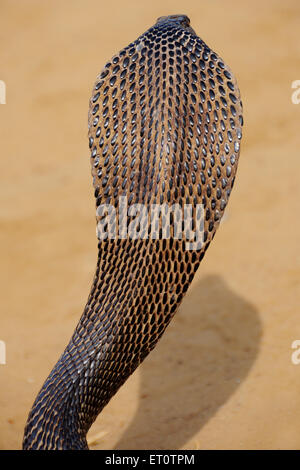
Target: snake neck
x,y
55,421
92,368
120,325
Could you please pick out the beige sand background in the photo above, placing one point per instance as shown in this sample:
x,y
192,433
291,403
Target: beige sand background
x,y
222,376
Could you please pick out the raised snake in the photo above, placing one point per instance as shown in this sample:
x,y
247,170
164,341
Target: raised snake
x,y
165,123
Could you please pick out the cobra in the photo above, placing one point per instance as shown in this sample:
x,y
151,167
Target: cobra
x,y
165,125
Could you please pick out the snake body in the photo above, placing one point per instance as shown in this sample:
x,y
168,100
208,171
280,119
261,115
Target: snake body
x,y
165,123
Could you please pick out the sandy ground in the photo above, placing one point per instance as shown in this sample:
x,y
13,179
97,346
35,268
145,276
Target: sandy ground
x,y
222,376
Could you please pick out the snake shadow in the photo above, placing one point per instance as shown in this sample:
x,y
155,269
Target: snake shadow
x,y
206,352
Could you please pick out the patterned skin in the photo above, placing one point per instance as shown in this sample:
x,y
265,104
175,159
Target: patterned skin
x,y
165,123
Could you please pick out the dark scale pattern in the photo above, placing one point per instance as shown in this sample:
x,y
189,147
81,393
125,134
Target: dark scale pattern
x,y
165,125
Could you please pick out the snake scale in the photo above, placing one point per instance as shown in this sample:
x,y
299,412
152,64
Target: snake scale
x,y
165,125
